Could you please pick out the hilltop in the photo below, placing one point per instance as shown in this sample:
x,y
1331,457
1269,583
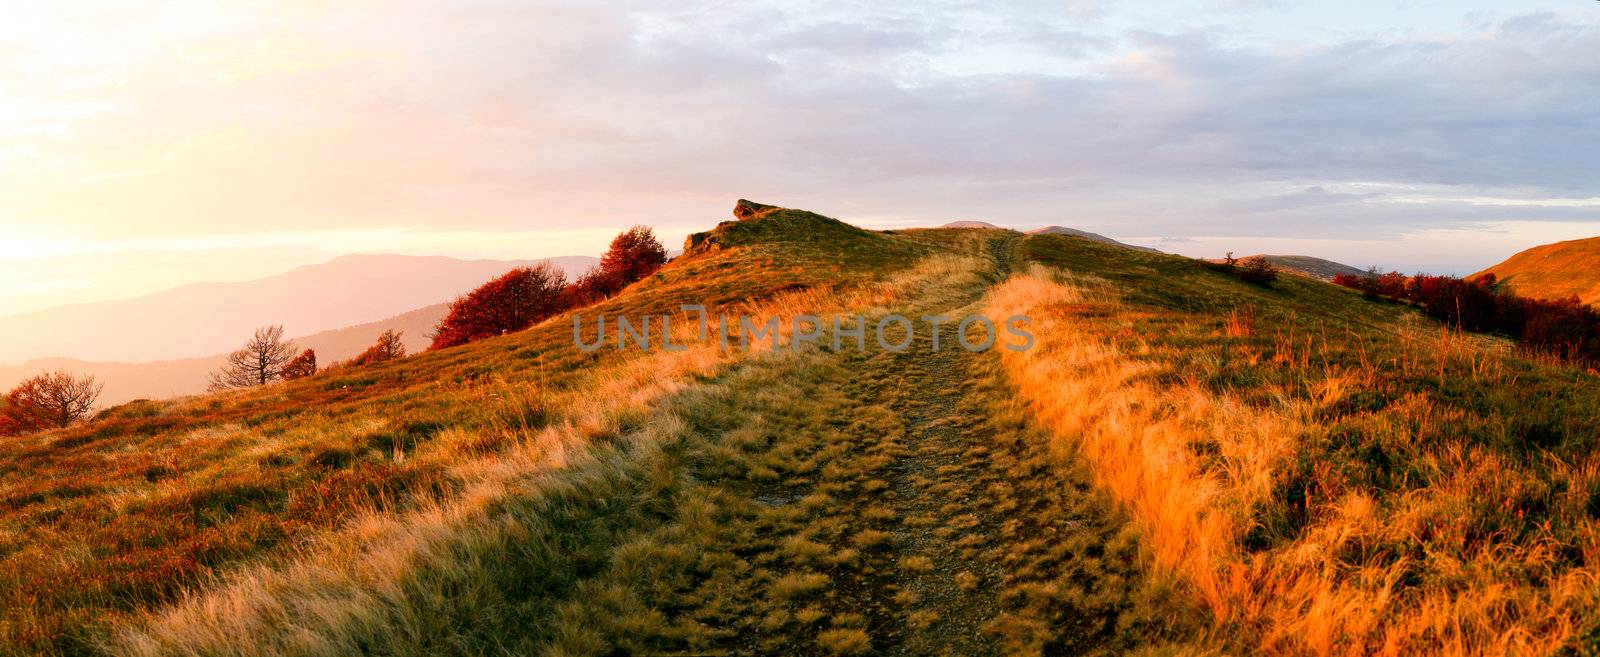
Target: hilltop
x,y
1182,463
1310,266
972,224
1063,230
1554,271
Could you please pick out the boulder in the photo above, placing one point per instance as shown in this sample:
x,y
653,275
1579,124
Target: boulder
x,y
745,209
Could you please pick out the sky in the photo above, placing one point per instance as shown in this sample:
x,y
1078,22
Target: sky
x,y
146,146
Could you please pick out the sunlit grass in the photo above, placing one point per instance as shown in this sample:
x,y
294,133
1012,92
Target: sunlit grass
x,y
1342,477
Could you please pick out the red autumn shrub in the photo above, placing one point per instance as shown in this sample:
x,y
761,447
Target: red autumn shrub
x,y
300,366
52,399
526,296
388,347
1255,270
1565,327
594,285
512,302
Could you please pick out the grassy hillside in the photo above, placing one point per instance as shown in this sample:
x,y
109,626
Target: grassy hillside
x,y
1554,271
110,518
1184,464
1338,476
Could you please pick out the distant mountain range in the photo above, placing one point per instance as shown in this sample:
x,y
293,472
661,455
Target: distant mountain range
x,y
209,318
1554,271
167,343
186,376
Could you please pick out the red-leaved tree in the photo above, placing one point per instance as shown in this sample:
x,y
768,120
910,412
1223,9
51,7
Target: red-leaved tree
x,y
512,302
634,254
300,367
388,347
53,399
593,286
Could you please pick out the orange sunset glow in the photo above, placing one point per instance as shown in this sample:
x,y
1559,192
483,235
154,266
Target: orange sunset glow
x,y
1033,328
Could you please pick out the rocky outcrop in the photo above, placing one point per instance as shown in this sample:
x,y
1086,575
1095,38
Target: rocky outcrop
x,y
746,209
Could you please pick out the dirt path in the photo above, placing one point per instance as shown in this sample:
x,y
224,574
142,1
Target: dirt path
x,y
879,503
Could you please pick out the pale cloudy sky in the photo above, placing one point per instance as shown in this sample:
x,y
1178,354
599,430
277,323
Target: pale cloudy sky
x,y
147,146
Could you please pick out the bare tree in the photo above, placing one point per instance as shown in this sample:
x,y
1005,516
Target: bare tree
x,y
259,362
53,399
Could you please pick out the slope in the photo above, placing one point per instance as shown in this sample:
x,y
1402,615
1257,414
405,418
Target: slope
x,y
209,318
1333,475
1554,271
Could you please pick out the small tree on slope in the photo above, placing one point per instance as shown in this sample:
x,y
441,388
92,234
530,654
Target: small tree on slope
x,y
388,347
259,362
634,254
301,367
54,399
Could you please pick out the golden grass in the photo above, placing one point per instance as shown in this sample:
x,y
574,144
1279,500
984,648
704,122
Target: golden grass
x,y
1196,466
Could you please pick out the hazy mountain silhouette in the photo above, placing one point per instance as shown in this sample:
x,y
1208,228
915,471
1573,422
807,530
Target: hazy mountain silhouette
x,y
186,376
208,318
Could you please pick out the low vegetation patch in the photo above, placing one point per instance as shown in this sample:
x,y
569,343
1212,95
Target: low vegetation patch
x,y
1565,328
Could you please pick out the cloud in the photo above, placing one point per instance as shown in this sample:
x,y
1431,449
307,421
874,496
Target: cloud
x,y
484,118
1309,197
